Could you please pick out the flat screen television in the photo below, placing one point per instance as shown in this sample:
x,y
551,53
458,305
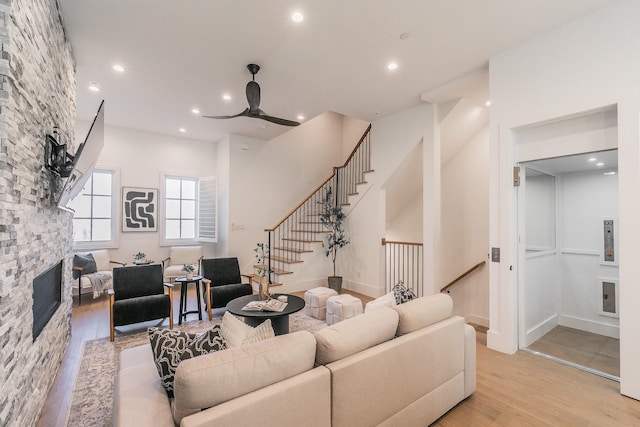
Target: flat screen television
x,y
84,160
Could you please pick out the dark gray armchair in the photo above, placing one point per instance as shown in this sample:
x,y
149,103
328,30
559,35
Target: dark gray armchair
x,y
223,282
138,295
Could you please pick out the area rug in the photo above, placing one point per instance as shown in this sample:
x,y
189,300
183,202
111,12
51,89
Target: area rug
x,y
92,397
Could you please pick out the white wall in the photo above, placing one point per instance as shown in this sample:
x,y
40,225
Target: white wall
x,y
465,227
585,200
352,131
588,64
269,178
140,158
407,225
392,139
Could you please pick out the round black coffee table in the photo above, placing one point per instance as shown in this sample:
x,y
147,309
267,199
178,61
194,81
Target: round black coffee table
x,y
279,320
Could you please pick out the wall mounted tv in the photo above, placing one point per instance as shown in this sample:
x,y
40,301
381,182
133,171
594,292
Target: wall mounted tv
x,y
84,160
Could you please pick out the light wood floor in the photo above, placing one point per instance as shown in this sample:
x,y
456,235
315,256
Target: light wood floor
x,y
512,390
583,348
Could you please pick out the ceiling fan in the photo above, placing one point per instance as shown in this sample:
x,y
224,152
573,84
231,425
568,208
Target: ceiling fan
x,y
253,97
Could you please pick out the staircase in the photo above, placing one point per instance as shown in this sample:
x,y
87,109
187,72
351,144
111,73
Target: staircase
x,y
300,231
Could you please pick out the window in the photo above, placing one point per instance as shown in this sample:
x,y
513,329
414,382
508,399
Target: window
x,y
190,211
180,204
94,211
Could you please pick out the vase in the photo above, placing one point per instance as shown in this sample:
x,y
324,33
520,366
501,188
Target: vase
x,y
189,276
263,288
335,283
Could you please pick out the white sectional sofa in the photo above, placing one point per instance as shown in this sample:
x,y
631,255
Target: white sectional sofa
x,y
406,365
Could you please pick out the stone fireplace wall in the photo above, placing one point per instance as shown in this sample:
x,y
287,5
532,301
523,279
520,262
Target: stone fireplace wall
x,y
37,91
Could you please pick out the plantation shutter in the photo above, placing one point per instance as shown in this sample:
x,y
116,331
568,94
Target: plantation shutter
x,y
207,209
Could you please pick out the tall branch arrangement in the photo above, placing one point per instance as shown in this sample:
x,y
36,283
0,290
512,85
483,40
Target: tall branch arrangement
x,y
332,218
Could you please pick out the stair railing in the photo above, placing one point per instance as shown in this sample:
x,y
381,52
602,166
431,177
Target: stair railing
x,y
290,237
462,276
403,262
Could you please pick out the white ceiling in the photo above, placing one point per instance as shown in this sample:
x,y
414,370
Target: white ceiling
x,y
181,54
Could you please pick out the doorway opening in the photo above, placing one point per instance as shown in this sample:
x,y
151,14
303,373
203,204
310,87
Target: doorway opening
x,y
568,258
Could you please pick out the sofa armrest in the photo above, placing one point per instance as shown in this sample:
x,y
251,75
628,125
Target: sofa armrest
x,y
469,360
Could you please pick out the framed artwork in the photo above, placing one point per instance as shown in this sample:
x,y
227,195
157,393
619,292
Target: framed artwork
x,y
139,209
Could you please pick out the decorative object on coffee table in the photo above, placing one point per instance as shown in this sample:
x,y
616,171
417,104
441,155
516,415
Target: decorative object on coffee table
x,y
279,320
188,269
262,259
140,258
332,218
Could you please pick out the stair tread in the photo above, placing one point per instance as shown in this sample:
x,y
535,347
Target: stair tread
x,y
277,271
256,278
309,231
295,250
286,260
289,239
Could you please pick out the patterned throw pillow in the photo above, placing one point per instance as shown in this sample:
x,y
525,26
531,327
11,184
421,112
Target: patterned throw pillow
x,y
402,293
236,333
171,347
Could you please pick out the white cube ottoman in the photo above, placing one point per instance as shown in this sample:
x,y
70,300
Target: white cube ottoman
x,y
315,302
342,307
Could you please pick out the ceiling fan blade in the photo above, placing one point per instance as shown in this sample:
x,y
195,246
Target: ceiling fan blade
x,y
253,96
244,113
277,120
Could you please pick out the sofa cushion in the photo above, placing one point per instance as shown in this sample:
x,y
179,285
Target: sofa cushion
x,y
86,262
355,334
402,293
218,377
386,300
181,255
422,312
103,263
171,347
236,333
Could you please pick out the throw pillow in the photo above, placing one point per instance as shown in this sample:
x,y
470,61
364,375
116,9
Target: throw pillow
x,y
171,347
86,261
402,293
236,333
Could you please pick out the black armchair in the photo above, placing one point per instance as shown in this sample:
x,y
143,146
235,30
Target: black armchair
x,y
138,295
223,282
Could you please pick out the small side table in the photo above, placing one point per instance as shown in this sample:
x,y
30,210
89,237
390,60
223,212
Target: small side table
x,y
184,283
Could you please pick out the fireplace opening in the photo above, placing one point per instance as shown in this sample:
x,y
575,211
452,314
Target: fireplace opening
x,y
47,295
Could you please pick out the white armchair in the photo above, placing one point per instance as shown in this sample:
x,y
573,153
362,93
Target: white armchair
x,y
94,273
178,257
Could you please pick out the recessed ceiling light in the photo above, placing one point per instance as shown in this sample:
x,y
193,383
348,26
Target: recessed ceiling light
x,y
610,173
262,126
297,17
226,97
94,86
600,164
300,117
195,110
119,68
488,103
182,130
404,36
392,66
377,113
592,159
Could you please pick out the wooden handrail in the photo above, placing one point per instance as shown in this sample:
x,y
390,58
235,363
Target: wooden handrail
x,y
300,204
391,242
463,275
364,135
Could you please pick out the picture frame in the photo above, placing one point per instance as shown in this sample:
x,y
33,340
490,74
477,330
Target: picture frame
x,y
139,209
